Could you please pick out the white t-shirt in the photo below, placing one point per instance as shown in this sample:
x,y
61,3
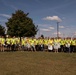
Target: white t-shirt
x,y
50,47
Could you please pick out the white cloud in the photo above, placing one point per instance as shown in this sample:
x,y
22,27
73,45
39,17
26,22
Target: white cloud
x,y
75,33
61,26
58,33
51,28
45,29
63,18
3,20
5,15
43,24
14,7
53,18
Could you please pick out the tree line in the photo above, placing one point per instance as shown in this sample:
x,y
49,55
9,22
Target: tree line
x,y
19,25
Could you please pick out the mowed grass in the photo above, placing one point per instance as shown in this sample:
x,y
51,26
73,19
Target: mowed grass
x,y
37,63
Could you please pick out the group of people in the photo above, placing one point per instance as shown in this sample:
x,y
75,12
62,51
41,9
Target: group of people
x,y
37,44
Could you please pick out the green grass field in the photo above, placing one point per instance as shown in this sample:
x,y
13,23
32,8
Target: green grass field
x,y
37,63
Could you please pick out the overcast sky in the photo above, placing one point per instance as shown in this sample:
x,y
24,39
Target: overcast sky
x,y
45,14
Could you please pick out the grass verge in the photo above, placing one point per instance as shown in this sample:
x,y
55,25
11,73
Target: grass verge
x,y
37,63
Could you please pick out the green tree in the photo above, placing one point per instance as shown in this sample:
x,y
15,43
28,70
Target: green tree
x,y
20,25
2,30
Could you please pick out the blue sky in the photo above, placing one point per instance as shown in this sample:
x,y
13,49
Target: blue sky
x,y
45,14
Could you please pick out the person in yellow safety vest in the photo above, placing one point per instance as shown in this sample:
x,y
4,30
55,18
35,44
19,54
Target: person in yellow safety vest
x,y
33,44
23,44
72,47
75,46
8,43
75,42
50,47
28,45
17,40
37,41
41,45
8,40
46,42
62,45
56,46
2,43
13,43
